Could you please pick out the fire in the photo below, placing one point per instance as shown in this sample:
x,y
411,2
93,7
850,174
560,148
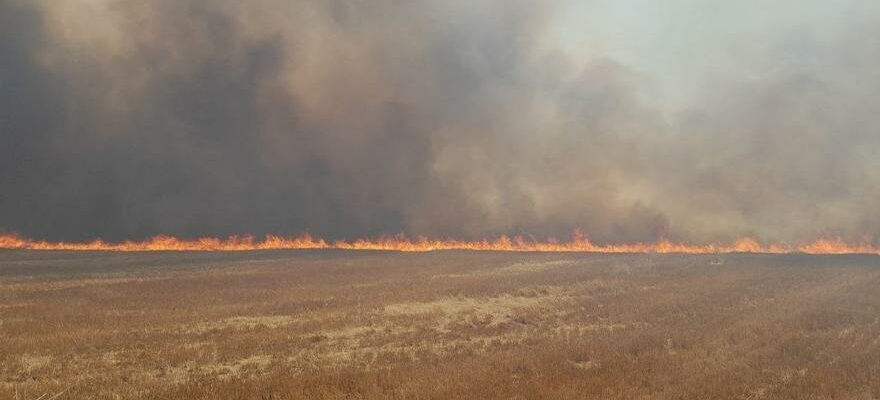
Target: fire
x,y
422,244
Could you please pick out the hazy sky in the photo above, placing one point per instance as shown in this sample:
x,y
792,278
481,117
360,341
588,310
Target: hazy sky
x,y
680,44
631,120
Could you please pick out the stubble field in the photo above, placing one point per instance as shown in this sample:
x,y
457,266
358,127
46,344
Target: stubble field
x,y
440,325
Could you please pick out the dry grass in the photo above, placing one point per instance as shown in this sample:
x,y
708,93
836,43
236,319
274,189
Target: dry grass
x,y
371,325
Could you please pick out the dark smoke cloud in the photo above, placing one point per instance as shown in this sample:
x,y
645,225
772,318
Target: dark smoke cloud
x,y
125,119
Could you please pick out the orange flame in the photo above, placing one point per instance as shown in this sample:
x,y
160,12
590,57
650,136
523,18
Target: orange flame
x,y
422,244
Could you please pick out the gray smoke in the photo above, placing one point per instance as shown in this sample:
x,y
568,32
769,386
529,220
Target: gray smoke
x,y
124,119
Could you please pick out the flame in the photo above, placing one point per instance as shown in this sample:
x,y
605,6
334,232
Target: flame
x,y
422,244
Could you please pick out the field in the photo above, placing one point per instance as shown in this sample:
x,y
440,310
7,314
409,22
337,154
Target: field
x,y
439,325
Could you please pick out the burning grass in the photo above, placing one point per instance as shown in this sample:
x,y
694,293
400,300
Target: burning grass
x,y
579,243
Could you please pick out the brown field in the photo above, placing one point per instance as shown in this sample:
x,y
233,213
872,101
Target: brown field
x,y
441,325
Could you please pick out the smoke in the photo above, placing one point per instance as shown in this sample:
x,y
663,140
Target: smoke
x,y
124,119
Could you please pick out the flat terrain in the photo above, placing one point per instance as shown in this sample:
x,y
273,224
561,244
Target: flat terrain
x,y
441,325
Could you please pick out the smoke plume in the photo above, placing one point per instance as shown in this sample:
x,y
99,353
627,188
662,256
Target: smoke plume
x,y
125,119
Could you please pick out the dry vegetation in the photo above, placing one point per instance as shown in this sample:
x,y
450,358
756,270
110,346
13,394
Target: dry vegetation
x,y
334,325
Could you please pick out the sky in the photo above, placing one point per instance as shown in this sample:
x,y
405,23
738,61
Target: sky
x,y
631,120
